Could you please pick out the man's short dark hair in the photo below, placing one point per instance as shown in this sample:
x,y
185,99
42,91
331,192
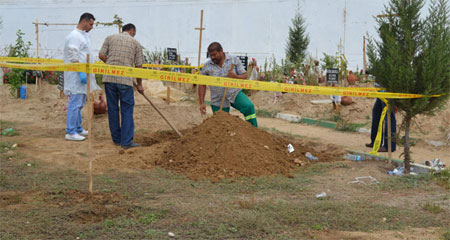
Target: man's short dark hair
x,y
215,46
128,27
87,17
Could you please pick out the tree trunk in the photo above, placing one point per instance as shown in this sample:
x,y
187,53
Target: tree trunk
x,y
406,152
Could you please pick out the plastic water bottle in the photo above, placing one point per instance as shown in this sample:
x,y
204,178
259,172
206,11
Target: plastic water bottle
x,y
353,157
311,157
397,171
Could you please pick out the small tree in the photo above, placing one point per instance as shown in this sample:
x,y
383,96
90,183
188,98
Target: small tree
x,y
16,76
298,41
413,56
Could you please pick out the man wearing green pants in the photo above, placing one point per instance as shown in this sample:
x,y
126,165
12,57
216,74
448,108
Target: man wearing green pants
x,y
224,65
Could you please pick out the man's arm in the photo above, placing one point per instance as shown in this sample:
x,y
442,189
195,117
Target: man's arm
x,y
104,50
102,57
231,74
140,88
138,61
238,71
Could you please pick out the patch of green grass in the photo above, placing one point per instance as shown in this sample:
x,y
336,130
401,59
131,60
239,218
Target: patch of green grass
x,y
266,113
119,223
107,179
317,227
154,234
267,183
349,127
5,124
320,168
432,208
150,218
3,182
5,146
347,216
442,178
446,235
404,182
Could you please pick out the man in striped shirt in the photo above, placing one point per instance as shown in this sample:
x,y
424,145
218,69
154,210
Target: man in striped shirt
x,y
220,65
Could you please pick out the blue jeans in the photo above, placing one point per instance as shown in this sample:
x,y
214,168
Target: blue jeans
x,y
121,133
76,104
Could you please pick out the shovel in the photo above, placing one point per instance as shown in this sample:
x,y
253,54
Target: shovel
x,y
226,90
160,113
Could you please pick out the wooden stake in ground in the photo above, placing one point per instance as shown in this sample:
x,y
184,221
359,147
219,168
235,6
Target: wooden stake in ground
x,y
36,24
201,28
90,113
364,53
389,132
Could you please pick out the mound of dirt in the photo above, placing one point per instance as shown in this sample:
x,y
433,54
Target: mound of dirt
x,y
225,146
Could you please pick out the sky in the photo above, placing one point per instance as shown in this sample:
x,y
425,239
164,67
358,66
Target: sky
x,y
258,29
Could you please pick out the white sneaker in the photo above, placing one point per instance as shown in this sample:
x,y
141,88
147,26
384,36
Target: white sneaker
x,y
84,133
74,137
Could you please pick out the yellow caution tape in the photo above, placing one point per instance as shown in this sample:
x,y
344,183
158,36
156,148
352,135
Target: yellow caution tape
x,y
113,70
30,60
168,66
72,67
49,60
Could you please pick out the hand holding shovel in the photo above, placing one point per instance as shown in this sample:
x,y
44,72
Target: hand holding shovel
x,y
231,74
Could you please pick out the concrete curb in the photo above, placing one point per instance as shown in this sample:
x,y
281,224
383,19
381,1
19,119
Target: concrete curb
x,y
298,119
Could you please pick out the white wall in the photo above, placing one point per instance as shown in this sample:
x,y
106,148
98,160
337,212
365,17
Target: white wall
x,y
258,28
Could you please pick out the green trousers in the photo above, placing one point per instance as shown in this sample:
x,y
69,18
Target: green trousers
x,y
244,105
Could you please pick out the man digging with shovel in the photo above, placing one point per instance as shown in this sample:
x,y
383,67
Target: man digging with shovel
x,y
224,65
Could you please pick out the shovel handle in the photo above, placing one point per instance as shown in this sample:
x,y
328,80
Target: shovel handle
x,y
226,90
160,113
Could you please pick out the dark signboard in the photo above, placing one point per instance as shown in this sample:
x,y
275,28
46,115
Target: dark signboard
x,y
332,76
244,60
172,54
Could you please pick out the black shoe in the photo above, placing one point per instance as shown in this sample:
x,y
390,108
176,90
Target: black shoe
x,y
369,145
382,149
132,145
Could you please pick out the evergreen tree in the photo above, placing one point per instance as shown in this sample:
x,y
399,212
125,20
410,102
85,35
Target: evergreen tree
x,y
413,56
298,40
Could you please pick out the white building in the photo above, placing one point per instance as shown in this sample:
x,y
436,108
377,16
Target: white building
x,y
256,28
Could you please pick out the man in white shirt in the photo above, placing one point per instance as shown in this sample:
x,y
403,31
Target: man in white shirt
x,y
77,45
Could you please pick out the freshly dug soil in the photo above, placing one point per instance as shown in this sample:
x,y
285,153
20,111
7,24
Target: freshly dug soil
x,y
225,146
